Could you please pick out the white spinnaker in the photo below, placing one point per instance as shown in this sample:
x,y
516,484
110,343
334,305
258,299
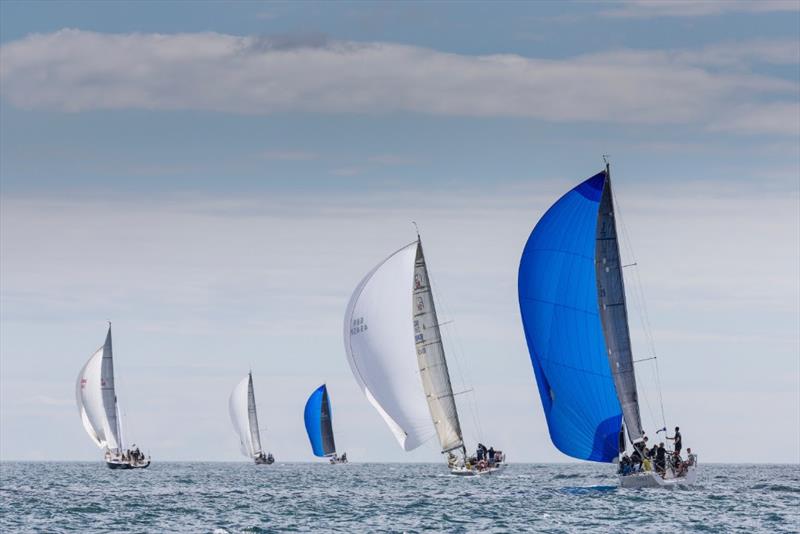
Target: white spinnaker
x,y
238,406
379,341
96,398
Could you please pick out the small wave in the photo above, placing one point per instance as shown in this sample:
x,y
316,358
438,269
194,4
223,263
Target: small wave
x,y
561,476
776,487
90,509
588,490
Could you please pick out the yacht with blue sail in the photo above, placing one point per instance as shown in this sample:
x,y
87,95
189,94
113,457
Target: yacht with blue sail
x,y
319,426
96,396
395,350
242,409
574,313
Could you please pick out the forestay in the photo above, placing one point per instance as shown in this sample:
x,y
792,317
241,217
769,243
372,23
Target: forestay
x,y
432,362
614,314
242,408
380,346
97,400
319,422
558,298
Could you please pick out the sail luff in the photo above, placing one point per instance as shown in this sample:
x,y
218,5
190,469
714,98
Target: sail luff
x,y
614,313
432,361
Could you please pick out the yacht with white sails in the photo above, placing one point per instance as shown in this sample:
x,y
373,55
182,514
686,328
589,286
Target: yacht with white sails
x,y
96,397
242,409
395,350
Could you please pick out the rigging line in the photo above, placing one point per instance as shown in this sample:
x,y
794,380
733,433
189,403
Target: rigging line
x,y
642,308
455,343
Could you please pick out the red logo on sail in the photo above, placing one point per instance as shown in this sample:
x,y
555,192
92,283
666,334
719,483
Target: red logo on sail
x,y
83,383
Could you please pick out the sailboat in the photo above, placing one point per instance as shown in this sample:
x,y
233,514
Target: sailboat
x,y
99,410
395,350
319,426
242,408
572,301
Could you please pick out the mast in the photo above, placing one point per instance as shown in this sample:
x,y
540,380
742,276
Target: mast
x,y
614,313
431,359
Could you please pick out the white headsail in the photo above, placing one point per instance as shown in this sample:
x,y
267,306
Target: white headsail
x,y
395,352
242,408
97,399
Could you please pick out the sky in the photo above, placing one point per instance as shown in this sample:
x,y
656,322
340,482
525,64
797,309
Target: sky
x,y
215,178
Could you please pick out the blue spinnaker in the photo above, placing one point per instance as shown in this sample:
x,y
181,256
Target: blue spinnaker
x,y
560,314
318,422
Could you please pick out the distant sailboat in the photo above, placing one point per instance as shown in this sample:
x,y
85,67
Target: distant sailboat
x,y
395,350
572,301
319,426
242,408
97,405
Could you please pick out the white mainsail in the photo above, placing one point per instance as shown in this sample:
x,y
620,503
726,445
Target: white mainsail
x,y
97,399
242,408
395,352
432,362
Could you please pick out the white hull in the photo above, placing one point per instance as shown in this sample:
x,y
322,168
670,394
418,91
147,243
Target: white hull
x,y
651,479
464,472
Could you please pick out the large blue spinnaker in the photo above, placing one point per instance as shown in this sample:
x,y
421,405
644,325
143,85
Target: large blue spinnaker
x,y
558,299
318,422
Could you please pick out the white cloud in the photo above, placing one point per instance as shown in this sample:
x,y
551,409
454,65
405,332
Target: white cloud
x,y
72,70
695,8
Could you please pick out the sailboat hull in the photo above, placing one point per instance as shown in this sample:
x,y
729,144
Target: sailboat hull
x,y
127,465
264,461
651,479
464,472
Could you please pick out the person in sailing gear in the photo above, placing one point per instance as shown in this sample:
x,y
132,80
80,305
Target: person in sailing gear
x,y
677,439
481,453
636,458
491,455
661,459
691,459
625,464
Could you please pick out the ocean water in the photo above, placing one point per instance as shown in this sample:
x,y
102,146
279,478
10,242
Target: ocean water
x,y
286,497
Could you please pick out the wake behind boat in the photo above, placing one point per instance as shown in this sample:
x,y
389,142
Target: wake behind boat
x,y
572,301
242,409
319,426
97,404
395,350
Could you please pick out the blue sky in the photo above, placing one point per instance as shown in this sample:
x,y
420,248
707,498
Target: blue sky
x,y
216,177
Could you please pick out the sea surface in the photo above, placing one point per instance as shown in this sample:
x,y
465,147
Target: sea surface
x,y
286,497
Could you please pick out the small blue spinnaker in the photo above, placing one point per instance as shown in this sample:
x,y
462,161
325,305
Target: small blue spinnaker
x,y
319,422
